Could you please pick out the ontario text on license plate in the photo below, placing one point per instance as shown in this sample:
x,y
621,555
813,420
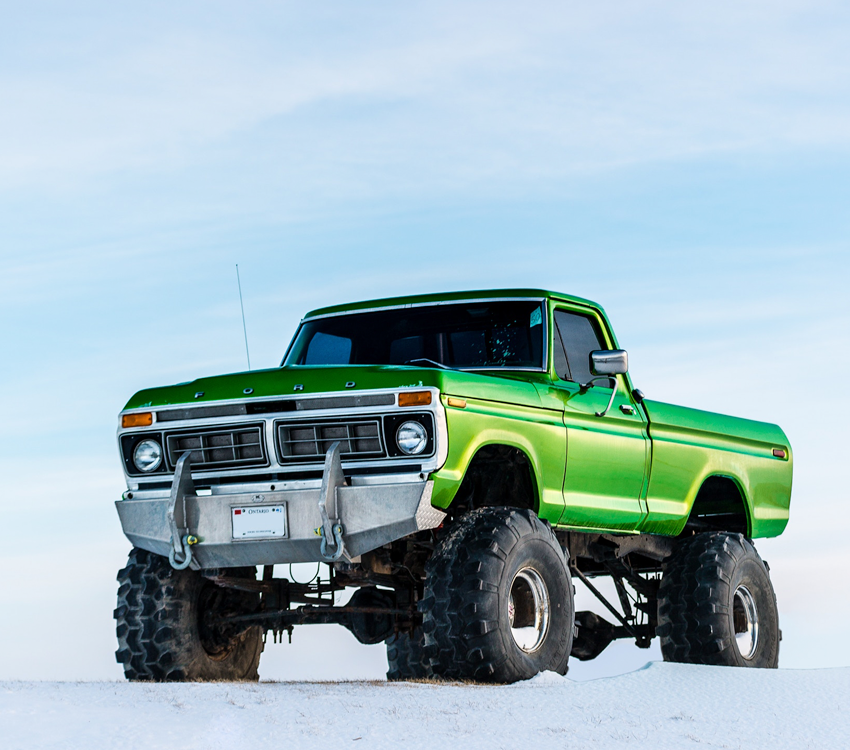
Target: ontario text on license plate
x,y
258,522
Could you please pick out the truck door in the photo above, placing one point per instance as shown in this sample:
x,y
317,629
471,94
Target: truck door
x,y
606,456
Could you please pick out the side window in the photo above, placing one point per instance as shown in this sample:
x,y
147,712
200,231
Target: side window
x,y
579,336
327,349
562,369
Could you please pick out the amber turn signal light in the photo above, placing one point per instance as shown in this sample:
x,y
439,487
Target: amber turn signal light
x,y
137,420
414,398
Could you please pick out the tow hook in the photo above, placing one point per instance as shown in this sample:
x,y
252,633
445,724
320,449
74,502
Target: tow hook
x,y
337,542
331,531
187,542
180,554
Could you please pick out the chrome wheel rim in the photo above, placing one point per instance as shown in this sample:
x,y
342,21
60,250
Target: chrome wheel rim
x,y
745,617
528,610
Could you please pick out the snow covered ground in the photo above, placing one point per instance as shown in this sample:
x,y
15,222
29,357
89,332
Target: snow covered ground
x,y
661,706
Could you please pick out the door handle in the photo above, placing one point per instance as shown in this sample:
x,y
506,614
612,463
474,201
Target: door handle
x,y
627,408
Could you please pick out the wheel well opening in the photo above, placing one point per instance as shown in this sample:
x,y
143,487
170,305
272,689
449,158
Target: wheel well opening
x,y
498,475
720,506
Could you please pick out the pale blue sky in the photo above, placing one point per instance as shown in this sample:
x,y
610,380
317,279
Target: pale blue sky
x,y
686,167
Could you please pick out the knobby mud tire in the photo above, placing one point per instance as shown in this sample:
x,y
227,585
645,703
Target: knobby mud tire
x,y
696,602
161,636
465,608
407,657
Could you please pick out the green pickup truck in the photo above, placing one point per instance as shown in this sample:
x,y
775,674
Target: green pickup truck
x,y
450,463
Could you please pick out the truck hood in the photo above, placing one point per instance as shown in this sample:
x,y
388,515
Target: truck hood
x,y
282,381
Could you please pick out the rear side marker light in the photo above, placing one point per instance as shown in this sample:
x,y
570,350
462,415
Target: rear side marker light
x,y
137,420
779,453
414,398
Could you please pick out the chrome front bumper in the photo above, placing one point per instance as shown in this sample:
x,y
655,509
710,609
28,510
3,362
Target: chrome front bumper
x,y
371,515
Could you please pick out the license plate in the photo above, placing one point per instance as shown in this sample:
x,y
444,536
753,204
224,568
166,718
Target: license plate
x,y
258,522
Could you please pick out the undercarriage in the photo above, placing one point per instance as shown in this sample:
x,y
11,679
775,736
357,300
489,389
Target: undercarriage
x,y
389,582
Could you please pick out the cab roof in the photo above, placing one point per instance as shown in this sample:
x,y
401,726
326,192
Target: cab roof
x,y
424,299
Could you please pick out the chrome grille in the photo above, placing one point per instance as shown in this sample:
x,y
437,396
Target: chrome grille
x,y
309,441
219,448
265,406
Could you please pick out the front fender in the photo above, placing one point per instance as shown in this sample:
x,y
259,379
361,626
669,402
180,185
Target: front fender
x,y
539,433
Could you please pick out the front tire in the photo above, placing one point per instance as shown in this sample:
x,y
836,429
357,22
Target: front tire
x,y
498,604
716,604
163,626
407,657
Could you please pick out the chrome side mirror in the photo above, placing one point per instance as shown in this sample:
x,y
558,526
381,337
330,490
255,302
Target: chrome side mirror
x,y
604,364
610,362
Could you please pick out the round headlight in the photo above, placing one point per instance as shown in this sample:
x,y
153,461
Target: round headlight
x,y
147,456
411,438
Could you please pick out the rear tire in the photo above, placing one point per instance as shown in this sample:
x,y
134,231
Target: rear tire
x,y
407,658
163,630
716,604
498,604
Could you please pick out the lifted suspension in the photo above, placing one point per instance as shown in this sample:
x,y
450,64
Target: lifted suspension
x,y
372,614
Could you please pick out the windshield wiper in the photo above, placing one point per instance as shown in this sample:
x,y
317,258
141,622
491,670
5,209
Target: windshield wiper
x,y
429,362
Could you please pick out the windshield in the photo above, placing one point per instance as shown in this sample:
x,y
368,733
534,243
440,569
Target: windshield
x,y
471,335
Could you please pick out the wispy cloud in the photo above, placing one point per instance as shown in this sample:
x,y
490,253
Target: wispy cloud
x,y
454,94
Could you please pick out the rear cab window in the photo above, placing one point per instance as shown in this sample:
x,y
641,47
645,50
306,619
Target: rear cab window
x,y
325,347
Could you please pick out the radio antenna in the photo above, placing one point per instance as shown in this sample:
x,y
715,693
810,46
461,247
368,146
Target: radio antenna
x,y
244,327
